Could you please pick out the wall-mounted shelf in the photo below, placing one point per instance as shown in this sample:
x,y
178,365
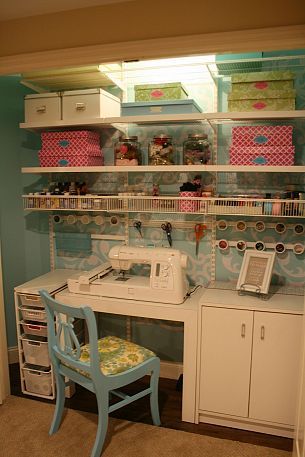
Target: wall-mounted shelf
x,y
118,122
169,169
167,204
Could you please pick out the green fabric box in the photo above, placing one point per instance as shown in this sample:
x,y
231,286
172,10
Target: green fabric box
x,y
168,91
262,76
261,87
267,100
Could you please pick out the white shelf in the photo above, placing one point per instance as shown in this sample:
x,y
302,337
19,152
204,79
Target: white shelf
x,y
106,123
169,169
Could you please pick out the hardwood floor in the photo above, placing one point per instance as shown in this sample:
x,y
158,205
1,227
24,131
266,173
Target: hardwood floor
x,y
170,400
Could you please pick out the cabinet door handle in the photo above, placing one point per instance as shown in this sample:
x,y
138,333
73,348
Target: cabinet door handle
x,y
243,330
262,332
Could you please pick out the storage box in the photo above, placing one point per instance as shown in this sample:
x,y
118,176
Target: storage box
x,y
259,135
35,329
268,100
262,155
35,350
42,107
160,107
69,141
168,91
38,381
259,87
272,75
31,300
33,314
76,159
188,205
89,103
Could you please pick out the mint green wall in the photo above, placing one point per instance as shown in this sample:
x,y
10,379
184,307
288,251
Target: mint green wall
x,y
24,244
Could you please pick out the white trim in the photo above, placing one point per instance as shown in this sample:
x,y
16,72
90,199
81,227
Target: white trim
x,y
272,38
170,370
4,372
13,355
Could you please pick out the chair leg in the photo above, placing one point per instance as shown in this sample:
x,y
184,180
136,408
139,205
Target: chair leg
x,y
154,404
102,426
60,403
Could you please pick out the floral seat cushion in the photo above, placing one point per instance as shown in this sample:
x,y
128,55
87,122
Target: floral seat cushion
x,y
116,355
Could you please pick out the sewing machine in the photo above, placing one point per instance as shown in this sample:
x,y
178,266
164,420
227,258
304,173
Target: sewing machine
x,y
167,282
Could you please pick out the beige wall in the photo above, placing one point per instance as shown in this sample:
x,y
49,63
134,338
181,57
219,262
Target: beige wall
x,y
144,19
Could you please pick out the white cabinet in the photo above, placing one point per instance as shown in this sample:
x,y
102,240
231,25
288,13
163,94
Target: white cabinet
x,y
275,367
225,360
249,364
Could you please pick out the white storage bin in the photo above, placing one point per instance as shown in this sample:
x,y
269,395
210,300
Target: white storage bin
x,y
32,314
38,381
31,301
42,107
35,329
89,103
35,350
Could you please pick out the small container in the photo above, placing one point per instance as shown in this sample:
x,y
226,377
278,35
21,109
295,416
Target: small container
x,y
241,226
196,150
161,151
259,246
222,225
298,229
260,226
298,248
127,152
223,245
241,245
280,228
280,248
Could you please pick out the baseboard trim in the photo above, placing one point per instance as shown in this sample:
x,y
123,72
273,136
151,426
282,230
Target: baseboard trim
x,y
171,370
13,356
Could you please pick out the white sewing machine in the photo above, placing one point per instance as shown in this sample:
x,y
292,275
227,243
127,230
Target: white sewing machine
x,y
167,282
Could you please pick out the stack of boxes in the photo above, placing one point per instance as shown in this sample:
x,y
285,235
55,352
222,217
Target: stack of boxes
x,y
262,145
70,149
262,91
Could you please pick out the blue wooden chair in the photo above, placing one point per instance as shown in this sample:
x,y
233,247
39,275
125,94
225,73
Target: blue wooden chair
x,y
102,366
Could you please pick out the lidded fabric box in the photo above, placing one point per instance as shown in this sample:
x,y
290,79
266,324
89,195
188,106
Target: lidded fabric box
x,y
42,107
262,155
89,103
265,90
167,91
160,107
276,100
77,159
70,141
262,135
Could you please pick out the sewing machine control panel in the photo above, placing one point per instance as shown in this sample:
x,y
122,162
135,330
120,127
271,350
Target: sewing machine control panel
x,y
162,277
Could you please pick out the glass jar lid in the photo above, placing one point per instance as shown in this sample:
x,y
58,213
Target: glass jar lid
x,y
162,136
198,136
128,138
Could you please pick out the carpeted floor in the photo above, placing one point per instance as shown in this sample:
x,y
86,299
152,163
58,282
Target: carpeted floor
x,y
24,425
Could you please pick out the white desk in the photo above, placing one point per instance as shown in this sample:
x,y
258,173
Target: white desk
x,y
186,313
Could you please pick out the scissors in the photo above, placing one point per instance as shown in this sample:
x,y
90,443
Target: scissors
x,y
167,227
137,225
199,228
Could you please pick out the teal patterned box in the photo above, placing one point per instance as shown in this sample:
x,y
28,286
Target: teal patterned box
x,y
168,91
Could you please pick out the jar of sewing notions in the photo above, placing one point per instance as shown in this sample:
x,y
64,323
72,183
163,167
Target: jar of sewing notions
x,y
127,151
161,150
196,150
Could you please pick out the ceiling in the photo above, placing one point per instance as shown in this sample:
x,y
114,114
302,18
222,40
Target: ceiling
x,y
15,9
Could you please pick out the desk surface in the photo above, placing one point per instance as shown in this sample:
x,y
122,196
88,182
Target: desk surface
x,y
141,308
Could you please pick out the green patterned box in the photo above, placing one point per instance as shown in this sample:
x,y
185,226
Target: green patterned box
x,y
262,76
261,86
268,100
168,91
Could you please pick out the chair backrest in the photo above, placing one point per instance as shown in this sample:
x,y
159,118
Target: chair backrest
x,y
63,342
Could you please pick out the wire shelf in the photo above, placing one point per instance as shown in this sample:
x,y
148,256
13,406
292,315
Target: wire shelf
x,y
168,204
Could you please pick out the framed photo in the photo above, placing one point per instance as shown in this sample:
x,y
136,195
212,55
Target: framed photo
x,y
256,271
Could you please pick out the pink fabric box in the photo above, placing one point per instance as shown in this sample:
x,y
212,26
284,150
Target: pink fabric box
x,y
70,160
262,155
264,135
69,141
187,205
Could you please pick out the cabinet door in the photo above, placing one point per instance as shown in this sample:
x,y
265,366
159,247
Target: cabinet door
x,y
225,360
275,367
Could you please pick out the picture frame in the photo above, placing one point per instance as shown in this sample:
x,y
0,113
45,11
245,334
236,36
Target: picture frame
x,y
256,271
